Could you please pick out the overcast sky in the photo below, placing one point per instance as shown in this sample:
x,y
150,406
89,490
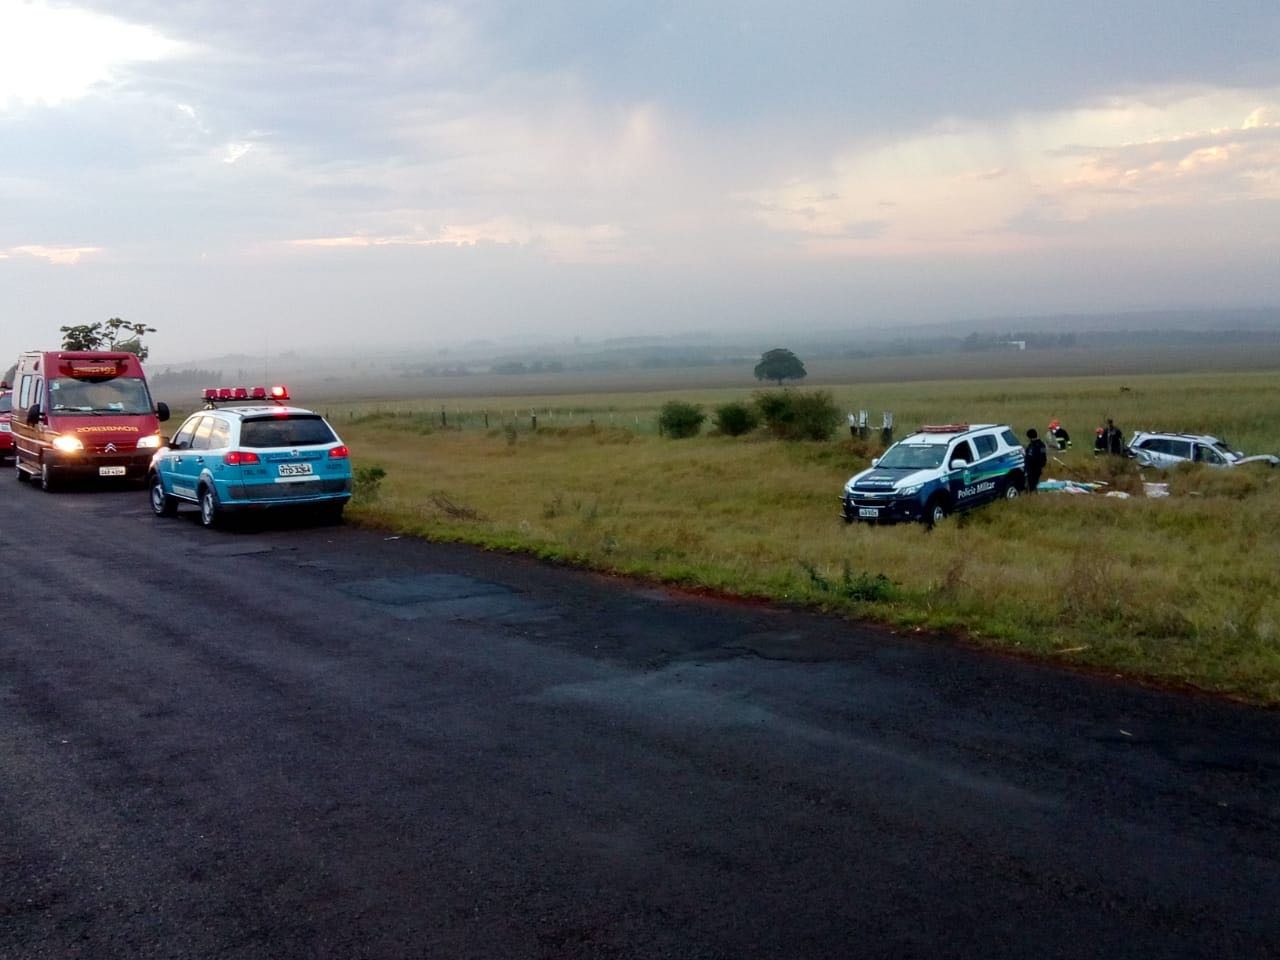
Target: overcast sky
x,y
250,177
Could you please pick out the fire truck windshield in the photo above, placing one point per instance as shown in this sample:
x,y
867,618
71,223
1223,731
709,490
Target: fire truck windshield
x,y
118,395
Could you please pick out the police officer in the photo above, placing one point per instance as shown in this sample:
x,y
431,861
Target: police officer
x,y
1037,455
1115,439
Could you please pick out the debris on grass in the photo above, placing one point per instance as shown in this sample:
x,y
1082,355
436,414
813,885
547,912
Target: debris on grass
x,y
1070,486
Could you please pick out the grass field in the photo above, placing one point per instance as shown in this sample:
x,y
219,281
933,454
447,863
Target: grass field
x,y
1177,590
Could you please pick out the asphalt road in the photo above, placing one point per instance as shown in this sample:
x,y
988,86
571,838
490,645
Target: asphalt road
x,y
328,743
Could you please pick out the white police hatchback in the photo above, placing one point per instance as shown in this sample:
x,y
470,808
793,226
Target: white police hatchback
x,y
936,471
259,456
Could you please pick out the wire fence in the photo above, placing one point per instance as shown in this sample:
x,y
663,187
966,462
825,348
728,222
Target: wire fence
x,y
640,422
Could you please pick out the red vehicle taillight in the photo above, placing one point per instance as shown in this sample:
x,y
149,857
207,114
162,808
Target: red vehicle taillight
x,y
236,458
339,452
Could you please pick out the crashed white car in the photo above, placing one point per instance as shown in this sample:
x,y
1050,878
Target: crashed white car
x,y
1163,450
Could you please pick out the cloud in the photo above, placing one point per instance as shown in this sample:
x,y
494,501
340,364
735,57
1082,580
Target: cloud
x,y
555,240
934,191
236,151
60,256
53,54
1197,169
402,145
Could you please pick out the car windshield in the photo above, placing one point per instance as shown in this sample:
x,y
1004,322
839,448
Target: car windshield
x,y
287,431
117,395
913,456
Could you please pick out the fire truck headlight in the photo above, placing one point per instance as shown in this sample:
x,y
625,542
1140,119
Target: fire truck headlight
x,y
68,443
149,443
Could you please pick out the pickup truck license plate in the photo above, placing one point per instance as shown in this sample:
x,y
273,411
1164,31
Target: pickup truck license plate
x,y
869,512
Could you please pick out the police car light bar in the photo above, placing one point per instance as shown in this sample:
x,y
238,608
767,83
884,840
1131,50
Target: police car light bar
x,y
212,395
944,428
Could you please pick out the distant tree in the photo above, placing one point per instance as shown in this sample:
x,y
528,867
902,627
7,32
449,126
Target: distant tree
x,y
778,365
679,419
114,334
10,374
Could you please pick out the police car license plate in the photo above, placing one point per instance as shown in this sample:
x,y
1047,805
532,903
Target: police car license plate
x,y
111,471
869,512
295,469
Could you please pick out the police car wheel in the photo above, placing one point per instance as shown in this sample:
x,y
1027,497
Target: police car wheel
x,y
936,512
162,505
1011,491
210,514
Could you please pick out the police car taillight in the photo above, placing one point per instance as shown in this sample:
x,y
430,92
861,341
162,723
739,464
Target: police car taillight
x,y
236,458
340,452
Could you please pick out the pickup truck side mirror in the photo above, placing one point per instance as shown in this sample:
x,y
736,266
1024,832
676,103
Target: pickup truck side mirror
x,y
162,411
959,464
875,461
33,414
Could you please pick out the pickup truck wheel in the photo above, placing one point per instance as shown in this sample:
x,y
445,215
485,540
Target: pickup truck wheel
x,y
935,512
1011,490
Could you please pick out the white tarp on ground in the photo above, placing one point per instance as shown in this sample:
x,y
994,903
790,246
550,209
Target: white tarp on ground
x,y
1093,486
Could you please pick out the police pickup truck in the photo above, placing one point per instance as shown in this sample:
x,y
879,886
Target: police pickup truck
x,y
936,471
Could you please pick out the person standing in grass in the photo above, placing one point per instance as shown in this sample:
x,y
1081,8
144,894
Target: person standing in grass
x,y
1115,439
1037,455
1060,436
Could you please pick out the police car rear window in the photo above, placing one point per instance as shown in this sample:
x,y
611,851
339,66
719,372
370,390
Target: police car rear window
x,y
293,431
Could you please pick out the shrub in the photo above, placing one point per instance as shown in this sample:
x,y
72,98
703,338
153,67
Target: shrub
x,y
863,588
792,415
679,419
365,483
735,419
